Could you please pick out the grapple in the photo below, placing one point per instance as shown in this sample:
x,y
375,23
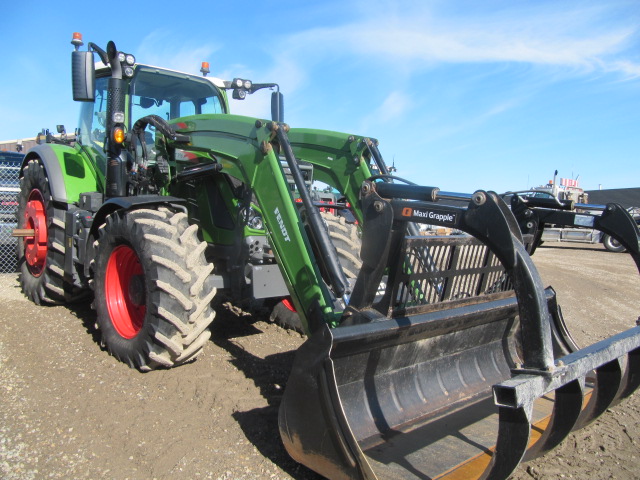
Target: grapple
x,y
464,367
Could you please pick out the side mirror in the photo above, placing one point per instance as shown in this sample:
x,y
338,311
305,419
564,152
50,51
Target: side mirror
x,y
83,76
277,107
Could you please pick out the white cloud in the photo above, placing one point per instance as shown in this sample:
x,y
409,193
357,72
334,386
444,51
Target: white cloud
x,y
159,48
630,69
394,106
423,37
392,43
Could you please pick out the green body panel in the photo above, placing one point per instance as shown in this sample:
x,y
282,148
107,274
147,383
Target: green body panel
x,y
97,162
210,202
69,169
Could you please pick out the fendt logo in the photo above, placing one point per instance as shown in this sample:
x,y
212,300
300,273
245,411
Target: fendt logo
x,y
285,234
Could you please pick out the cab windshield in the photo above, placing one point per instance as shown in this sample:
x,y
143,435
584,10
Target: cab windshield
x,y
153,91
170,95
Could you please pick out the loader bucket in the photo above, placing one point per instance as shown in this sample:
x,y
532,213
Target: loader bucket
x,y
462,370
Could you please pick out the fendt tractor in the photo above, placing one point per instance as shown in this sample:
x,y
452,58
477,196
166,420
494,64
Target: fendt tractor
x,y
426,357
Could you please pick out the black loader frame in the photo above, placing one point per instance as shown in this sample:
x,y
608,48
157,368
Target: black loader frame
x,y
405,386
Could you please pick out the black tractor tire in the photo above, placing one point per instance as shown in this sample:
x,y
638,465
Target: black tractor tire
x,y
152,288
285,316
41,258
346,238
612,244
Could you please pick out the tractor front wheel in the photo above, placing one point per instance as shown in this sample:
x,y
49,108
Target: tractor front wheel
x,y
152,291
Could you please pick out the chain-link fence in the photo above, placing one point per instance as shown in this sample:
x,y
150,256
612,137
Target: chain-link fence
x,y
9,188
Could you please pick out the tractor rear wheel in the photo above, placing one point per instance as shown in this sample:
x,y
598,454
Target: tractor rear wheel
x,y
41,257
346,238
152,290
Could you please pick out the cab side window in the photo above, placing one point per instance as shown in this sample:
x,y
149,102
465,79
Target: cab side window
x,y
93,122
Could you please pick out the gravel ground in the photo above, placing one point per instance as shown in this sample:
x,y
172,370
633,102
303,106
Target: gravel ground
x,y
69,410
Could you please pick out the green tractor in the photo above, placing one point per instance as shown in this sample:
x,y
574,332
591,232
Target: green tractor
x,y
427,357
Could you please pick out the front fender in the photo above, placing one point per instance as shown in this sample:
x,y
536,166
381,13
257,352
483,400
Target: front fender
x,y
122,203
131,203
69,172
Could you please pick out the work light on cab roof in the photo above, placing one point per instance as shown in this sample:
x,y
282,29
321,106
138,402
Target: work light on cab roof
x,y
126,60
240,88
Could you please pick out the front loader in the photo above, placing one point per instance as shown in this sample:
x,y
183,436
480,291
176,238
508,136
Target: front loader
x,y
426,357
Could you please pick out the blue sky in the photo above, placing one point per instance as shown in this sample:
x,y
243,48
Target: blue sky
x,y
463,95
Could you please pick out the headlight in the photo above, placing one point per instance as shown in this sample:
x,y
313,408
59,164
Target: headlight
x,y
128,71
130,59
239,94
247,84
257,223
252,218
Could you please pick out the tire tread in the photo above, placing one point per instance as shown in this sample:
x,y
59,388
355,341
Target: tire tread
x,y
179,309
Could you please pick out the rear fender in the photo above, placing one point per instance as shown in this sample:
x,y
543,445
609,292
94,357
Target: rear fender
x,y
69,172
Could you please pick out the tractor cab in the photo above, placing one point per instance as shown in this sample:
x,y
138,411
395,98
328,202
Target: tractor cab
x,y
150,91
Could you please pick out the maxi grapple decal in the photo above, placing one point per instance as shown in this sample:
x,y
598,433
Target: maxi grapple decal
x,y
441,217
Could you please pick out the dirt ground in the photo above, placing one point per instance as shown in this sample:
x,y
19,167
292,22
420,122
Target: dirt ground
x,y
69,410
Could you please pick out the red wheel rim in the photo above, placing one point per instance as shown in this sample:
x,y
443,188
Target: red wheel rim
x,y
35,248
124,291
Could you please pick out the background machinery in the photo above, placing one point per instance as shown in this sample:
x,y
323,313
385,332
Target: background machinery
x,y
569,196
427,357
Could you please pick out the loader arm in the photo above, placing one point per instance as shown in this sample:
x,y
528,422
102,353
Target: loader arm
x,y
339,160
252,152
244,149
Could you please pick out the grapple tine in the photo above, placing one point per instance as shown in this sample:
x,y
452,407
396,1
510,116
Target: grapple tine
x,y
566,411
603,358
608,379
513,438
631,380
